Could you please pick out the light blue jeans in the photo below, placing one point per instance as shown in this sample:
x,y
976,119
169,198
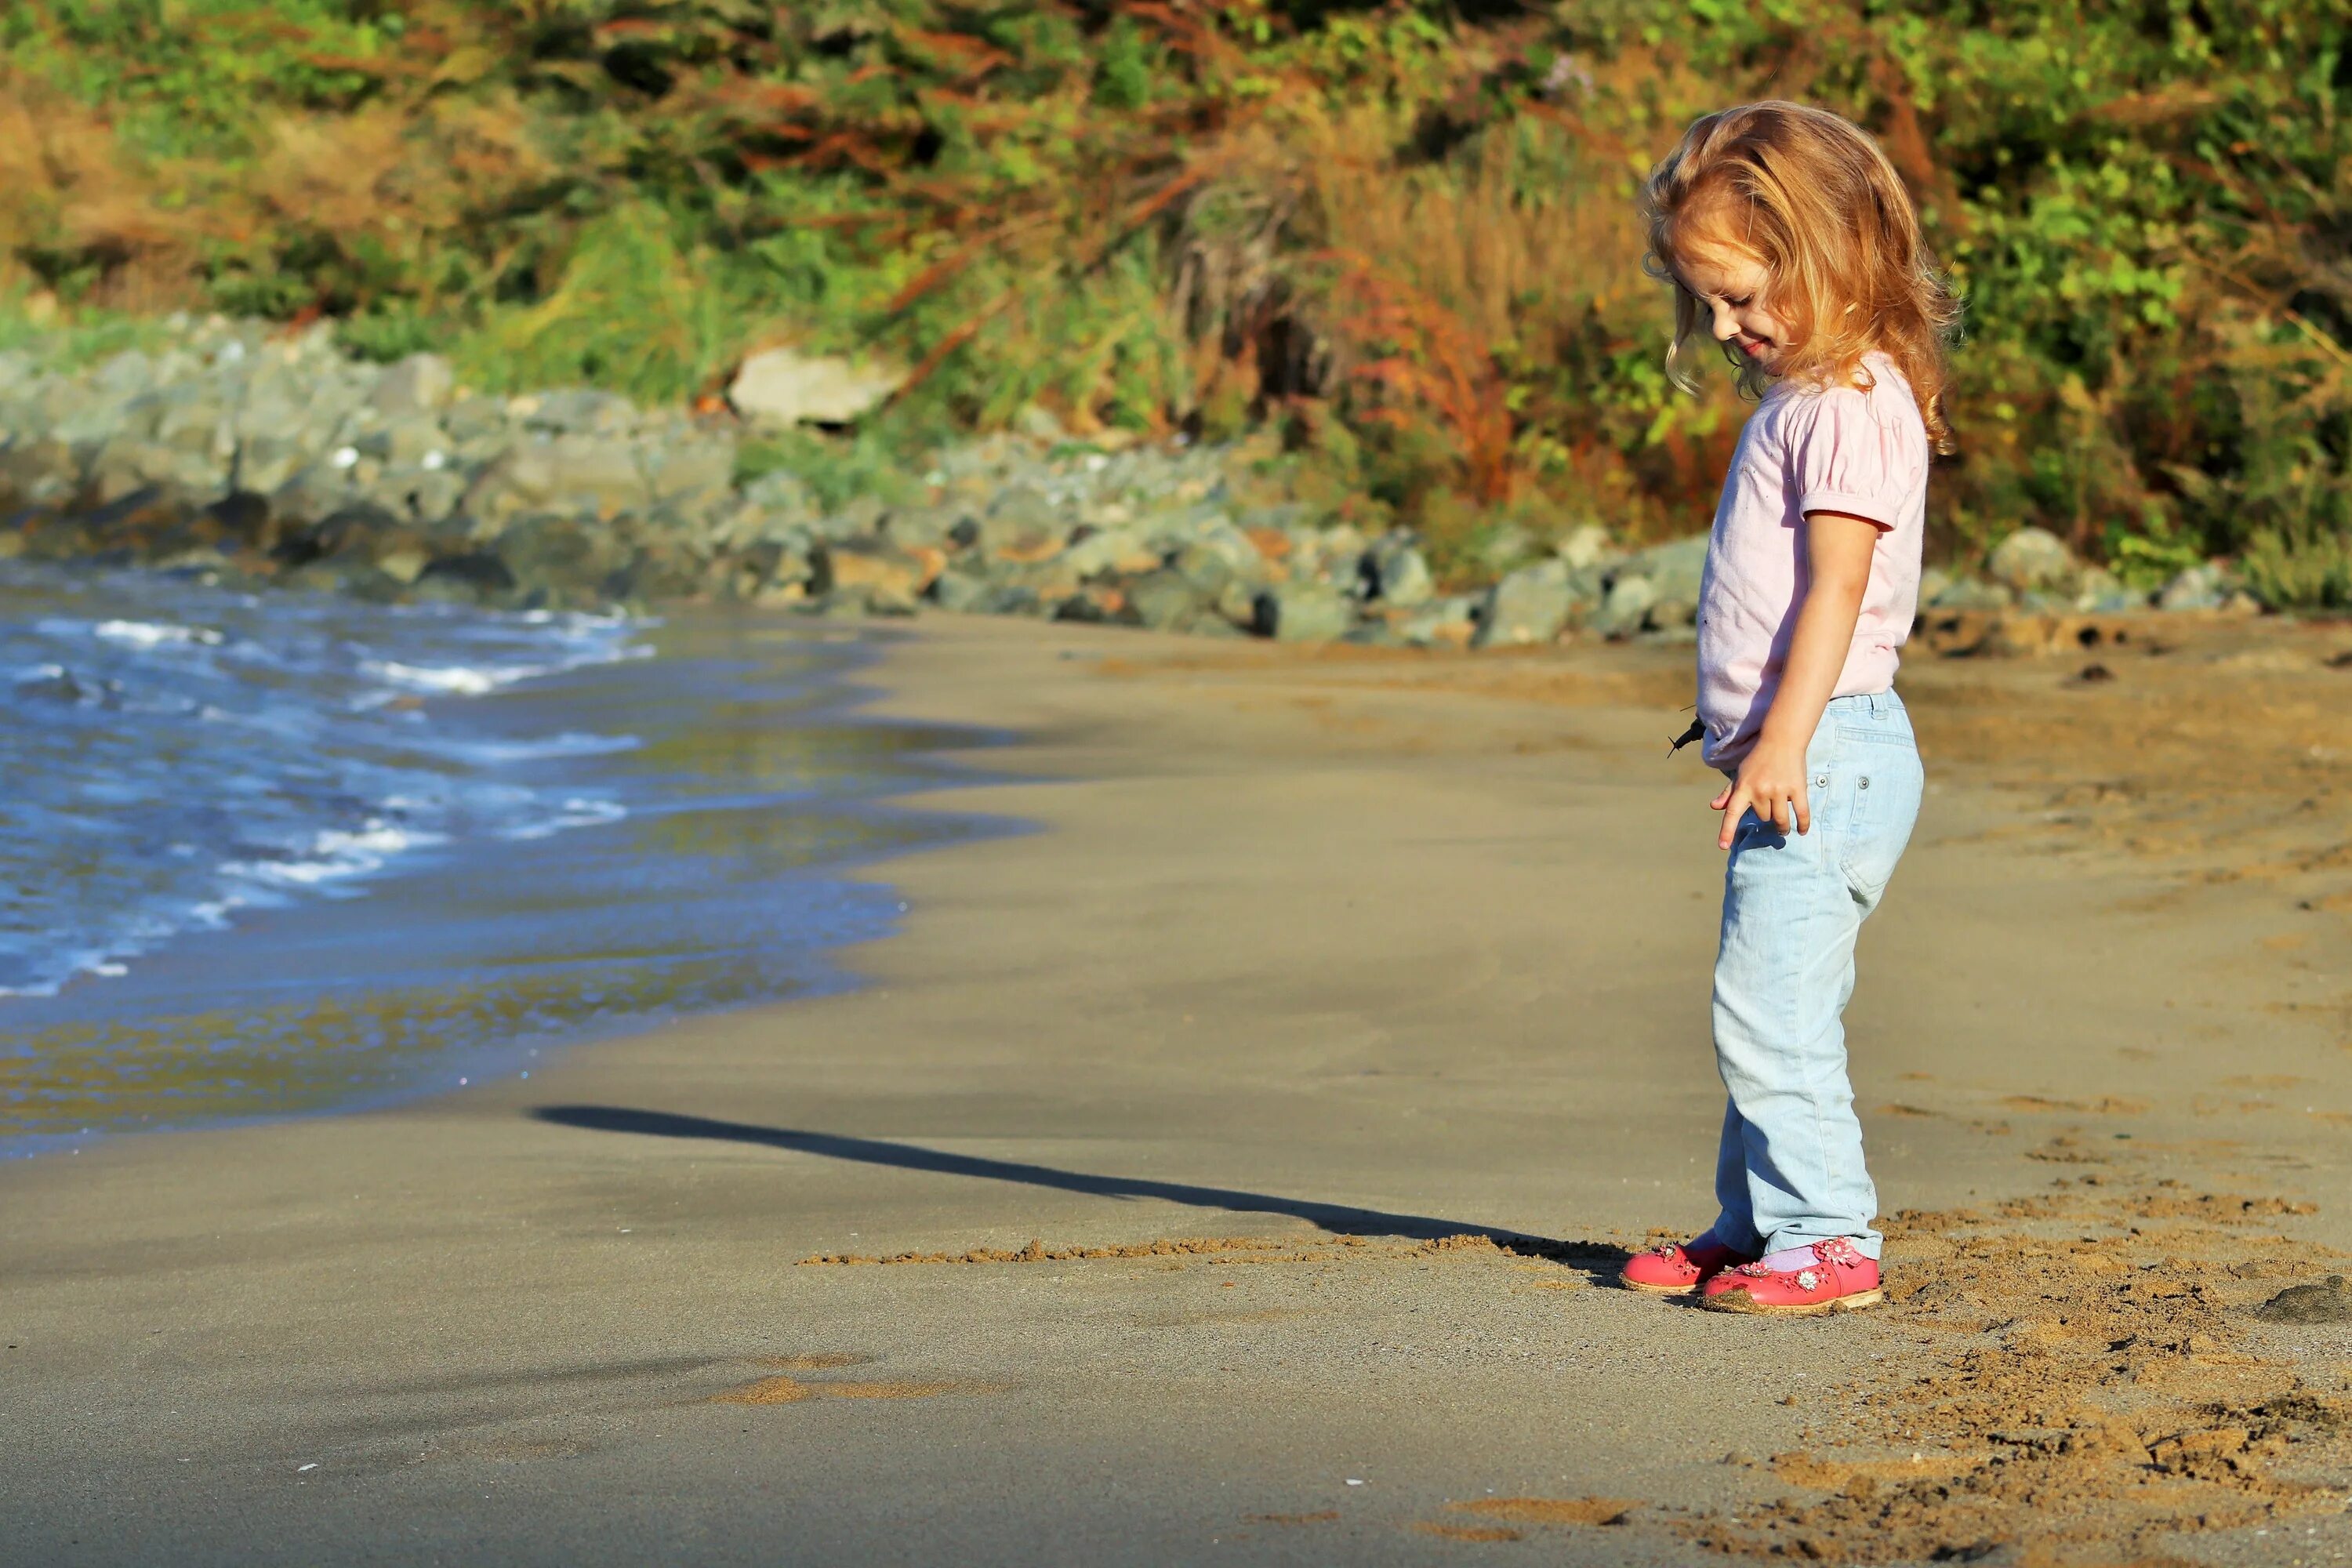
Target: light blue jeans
x,y
1791,1171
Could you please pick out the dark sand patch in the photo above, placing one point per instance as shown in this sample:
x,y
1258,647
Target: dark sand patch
x,y
2328,1302
784,1390
1551,1509
2102,1105
1446,1531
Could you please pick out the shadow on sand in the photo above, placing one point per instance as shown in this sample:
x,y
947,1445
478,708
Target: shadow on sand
x,y
1338,1218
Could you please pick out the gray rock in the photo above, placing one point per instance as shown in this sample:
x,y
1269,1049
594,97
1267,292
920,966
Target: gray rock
x,y
1021,524
784,387
1219,556
2034,557
1973,593
1448,622
265,463
1627,606
2100,592
556,551
1675,569
1670,614
311,494
2199,588
576,410
690,472
1110,550
934,526
408,439
1505,547
1589,544
38,470
1397,573
1301,613
1167,600
965,592
583,473
1531,606
125,376
417,384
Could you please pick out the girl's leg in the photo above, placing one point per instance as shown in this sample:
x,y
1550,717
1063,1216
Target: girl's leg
x,y
1735,1224
1793,907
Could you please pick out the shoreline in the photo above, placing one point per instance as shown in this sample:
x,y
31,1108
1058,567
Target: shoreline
x,y
733,782
1420,939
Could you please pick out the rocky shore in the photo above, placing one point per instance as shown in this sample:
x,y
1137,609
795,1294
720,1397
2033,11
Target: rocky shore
x,y
248,455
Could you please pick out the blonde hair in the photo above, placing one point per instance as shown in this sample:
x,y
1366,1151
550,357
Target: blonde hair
x,y
1812,196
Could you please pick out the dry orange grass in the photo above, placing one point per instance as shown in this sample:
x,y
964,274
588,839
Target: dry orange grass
x,y
67,185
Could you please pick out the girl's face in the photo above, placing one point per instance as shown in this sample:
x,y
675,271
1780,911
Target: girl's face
x,y
1730,286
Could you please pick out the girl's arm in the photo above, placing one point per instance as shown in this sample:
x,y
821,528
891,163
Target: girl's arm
x,y
1773,775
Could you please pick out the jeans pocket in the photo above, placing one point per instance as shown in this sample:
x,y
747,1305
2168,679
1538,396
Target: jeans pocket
x,y
1887,785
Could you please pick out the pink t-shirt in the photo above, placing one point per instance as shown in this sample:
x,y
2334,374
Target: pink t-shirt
x,y
1861,450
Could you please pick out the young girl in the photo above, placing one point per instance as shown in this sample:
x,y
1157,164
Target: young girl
x,y
1788,238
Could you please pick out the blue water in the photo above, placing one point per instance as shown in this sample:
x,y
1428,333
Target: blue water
x,y
289,855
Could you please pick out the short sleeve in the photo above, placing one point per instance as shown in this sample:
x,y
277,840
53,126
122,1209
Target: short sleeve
x,y
1846,455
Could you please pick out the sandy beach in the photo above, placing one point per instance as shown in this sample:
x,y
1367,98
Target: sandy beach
x,y
1233,1163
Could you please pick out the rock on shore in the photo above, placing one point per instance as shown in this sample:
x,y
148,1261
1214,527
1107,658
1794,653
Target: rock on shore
x,y
251,456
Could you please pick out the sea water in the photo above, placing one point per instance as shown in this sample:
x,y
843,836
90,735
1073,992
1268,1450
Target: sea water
x,y
281,854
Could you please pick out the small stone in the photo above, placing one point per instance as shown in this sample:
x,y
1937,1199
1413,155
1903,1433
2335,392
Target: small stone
x,y
784,387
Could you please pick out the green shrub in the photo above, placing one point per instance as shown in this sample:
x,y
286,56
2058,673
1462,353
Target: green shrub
x,y
1401,232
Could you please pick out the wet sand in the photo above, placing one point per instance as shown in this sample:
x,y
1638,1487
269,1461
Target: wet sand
x,y
1232,1167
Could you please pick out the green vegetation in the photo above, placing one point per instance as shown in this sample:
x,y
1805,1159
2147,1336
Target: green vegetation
x,y
1400,234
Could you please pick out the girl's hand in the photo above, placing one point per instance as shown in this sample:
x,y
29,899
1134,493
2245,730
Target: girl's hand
x,y
1838,550
1772,780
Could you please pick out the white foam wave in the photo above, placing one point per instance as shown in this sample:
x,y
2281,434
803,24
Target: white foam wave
x,y
453,679
151,634
333,854
576,812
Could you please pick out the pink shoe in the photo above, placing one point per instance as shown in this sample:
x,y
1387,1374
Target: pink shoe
x,y
1837,1279
1679,1270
